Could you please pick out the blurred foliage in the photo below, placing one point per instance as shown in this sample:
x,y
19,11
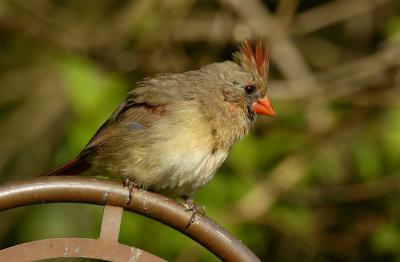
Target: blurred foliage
x,y
320,182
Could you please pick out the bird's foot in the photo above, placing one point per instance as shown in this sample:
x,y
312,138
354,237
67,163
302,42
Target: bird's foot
x,y
195,209
130,184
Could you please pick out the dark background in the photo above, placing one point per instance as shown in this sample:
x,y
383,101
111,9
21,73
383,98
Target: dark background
x,y
320,182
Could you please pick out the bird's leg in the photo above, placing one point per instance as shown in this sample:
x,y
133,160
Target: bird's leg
x,y
130,184
192,207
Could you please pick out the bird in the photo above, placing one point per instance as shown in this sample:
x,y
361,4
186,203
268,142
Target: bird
x,y
174,130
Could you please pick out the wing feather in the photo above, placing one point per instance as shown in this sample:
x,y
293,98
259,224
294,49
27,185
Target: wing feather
x,y
129,115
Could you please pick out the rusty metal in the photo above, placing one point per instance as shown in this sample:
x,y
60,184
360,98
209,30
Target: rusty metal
x,y
74,247
106,247
112,193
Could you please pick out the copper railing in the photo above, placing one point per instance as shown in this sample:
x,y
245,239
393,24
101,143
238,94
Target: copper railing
x,y
115,198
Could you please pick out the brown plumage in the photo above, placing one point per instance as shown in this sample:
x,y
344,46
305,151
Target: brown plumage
x,y
174,130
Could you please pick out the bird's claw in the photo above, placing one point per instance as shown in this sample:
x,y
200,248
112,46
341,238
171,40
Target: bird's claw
x,y
195,209
130,184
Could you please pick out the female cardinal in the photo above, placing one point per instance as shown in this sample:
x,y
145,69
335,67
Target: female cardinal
x,y
173,131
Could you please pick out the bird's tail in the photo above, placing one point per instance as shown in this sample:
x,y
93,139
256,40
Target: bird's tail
x,y
70,168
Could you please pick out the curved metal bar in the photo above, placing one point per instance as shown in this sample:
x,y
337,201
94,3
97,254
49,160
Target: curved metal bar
x,y
105,192
106,247
76,247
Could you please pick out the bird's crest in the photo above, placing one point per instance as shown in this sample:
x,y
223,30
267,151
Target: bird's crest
x,y
254,60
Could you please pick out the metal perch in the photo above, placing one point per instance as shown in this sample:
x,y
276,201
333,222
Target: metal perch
x,y
115,198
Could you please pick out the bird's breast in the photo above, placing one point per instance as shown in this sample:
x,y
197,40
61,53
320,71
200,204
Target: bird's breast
x,y
191,170
186,155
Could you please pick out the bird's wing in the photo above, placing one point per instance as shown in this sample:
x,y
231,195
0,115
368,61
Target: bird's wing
x,y
130,115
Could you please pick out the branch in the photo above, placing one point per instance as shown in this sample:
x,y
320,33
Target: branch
x,y
331,13
345,193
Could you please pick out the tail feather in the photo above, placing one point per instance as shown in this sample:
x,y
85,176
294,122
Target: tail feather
x,y
70,168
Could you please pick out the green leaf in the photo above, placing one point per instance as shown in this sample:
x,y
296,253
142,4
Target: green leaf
x,y
386,239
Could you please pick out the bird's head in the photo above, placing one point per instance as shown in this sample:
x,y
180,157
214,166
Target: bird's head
x,y
256,63
245,79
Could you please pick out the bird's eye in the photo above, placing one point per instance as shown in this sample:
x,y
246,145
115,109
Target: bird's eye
x,y
249,89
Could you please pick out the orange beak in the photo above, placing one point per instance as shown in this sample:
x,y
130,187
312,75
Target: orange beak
x,y
263,107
